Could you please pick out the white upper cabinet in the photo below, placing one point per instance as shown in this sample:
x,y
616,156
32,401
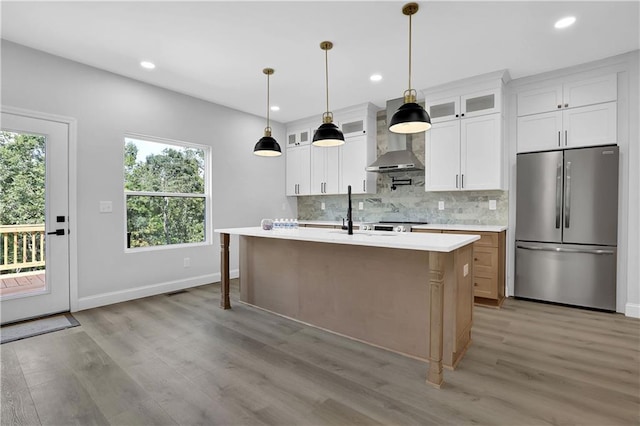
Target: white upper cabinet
x,y
442,157
355,155
467,105
579,112
324,170
297,166
571,94
481,153
465,154
298,137
332,170
464,147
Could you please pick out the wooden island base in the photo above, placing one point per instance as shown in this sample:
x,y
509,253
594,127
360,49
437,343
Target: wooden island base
x,y
417,303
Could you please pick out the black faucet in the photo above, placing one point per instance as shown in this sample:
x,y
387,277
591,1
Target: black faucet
x,y
349,214
349,226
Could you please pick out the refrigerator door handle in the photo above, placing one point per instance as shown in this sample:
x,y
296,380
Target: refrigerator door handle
x,y
558,194
564,250
567,197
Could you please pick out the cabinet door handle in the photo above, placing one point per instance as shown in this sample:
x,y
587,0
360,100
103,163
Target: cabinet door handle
x,y
566,105
559,106
456,181
566,138
462,181
457,115
462,115
559,133
364,185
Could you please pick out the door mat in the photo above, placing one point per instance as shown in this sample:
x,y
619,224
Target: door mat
x,y
23,330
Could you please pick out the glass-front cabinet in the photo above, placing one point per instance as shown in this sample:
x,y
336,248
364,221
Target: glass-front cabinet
x,y
462,106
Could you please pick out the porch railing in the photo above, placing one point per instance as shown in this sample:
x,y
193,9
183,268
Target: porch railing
x,y
22,246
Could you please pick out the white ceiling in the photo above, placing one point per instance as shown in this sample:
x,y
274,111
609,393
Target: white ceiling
x,y
216,50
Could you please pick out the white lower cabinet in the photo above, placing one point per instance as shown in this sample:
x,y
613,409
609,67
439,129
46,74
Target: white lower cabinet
x,y
465,154
297,164
324,170
575,127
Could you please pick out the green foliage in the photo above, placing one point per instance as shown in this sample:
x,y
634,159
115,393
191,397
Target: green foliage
x,y
160,220
22,179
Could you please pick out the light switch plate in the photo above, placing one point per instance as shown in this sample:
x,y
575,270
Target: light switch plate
x,y
106,207
465,269
440,205
492,204
322,205
360,205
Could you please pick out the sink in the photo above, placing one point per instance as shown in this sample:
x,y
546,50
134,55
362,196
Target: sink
x,y
366,234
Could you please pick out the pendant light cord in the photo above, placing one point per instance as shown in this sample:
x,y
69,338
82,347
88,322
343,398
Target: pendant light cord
x,y
326,74
410,52
268,103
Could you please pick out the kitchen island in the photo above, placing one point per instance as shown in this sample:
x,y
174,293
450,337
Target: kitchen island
x,y
409,293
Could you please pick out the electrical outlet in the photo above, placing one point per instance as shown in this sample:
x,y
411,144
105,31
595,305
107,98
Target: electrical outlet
x,y
187,262
106,207
440,205
492,204
465,269
322,205
360,205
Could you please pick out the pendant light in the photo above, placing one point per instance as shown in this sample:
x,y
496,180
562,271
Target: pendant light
x,y
328,134
267,146
410,117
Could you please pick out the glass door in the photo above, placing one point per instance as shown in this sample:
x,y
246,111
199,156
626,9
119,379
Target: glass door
x,y
34,243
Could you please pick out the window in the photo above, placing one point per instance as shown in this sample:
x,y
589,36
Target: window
x,y
166,192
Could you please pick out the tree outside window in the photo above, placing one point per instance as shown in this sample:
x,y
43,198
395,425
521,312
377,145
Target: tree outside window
x,y
166,193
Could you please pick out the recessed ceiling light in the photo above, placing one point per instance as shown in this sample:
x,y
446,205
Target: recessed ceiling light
x,y
375,77
275,108
565,22
148,65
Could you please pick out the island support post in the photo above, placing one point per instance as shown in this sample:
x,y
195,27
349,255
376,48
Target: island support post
x,y
225,303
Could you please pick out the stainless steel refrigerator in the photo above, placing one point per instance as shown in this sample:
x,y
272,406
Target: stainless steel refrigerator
x,y
567,226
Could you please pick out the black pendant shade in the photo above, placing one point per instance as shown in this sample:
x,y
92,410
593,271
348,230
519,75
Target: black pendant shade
x,y
410,118
328,134
267,147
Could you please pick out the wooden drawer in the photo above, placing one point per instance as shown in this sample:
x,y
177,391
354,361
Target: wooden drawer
x,y
427,231
485,261
484,287
487,239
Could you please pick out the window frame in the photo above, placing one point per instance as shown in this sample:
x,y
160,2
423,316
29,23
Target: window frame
x,y
208,203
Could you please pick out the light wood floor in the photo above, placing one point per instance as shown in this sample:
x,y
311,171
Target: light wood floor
x,y
179,359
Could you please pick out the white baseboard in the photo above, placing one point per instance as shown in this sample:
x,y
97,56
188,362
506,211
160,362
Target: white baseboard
x,y
632,310
148,290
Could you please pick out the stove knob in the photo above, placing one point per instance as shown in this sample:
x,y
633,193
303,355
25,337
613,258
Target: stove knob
x,y
400,228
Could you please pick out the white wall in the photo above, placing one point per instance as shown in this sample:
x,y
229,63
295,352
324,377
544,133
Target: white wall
x,y
627,69
245,187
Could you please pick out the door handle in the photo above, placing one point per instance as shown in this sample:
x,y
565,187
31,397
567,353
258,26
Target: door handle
x,y
559,133
462,181
364,185
567,197
558,193
564,250
566,138
56,232
456,181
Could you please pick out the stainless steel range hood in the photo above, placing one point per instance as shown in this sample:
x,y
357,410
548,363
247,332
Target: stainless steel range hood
x,y
400,157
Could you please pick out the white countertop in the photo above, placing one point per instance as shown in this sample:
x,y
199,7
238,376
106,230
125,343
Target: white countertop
x,y
397,240
454,227
440,226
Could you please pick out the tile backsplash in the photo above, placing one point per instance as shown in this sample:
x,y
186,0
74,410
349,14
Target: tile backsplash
x,y
408,202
